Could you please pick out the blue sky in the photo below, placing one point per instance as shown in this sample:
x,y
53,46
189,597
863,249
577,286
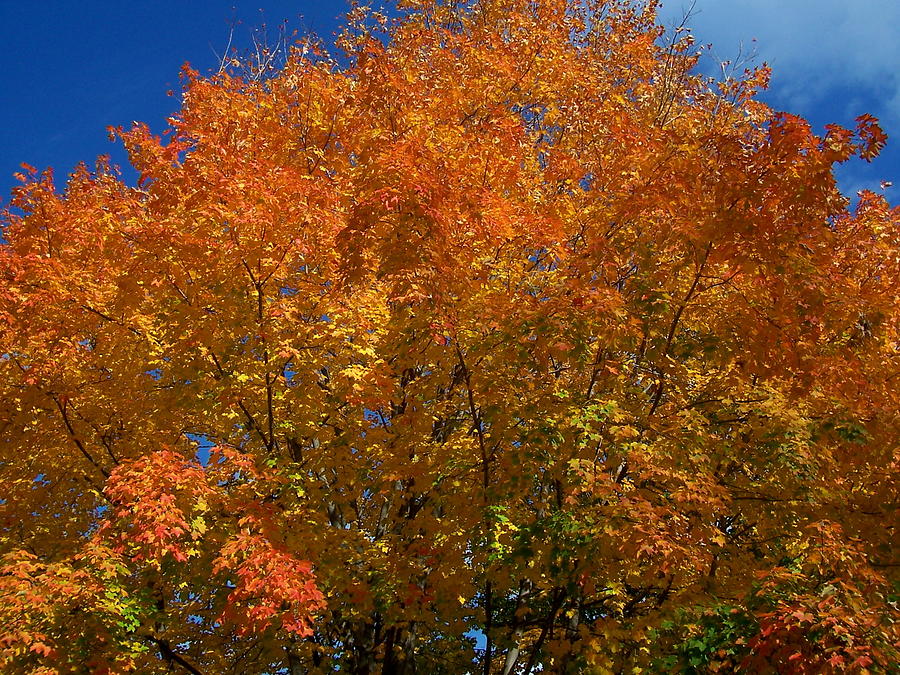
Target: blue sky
x,y
74,67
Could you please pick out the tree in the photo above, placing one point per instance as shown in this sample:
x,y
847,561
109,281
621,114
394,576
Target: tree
x,y
505,344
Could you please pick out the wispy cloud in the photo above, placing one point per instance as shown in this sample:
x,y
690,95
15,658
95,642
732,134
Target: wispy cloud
x,y
814,46
832,60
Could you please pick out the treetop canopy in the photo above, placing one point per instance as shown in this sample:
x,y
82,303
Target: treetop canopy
x,y
505,344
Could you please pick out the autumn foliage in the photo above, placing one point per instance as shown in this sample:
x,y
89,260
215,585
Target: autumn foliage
x,y
503,342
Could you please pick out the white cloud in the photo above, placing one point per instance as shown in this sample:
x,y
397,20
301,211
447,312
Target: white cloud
x,y
815,47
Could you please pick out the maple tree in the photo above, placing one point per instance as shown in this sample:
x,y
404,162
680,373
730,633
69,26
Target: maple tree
x,y
507,343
